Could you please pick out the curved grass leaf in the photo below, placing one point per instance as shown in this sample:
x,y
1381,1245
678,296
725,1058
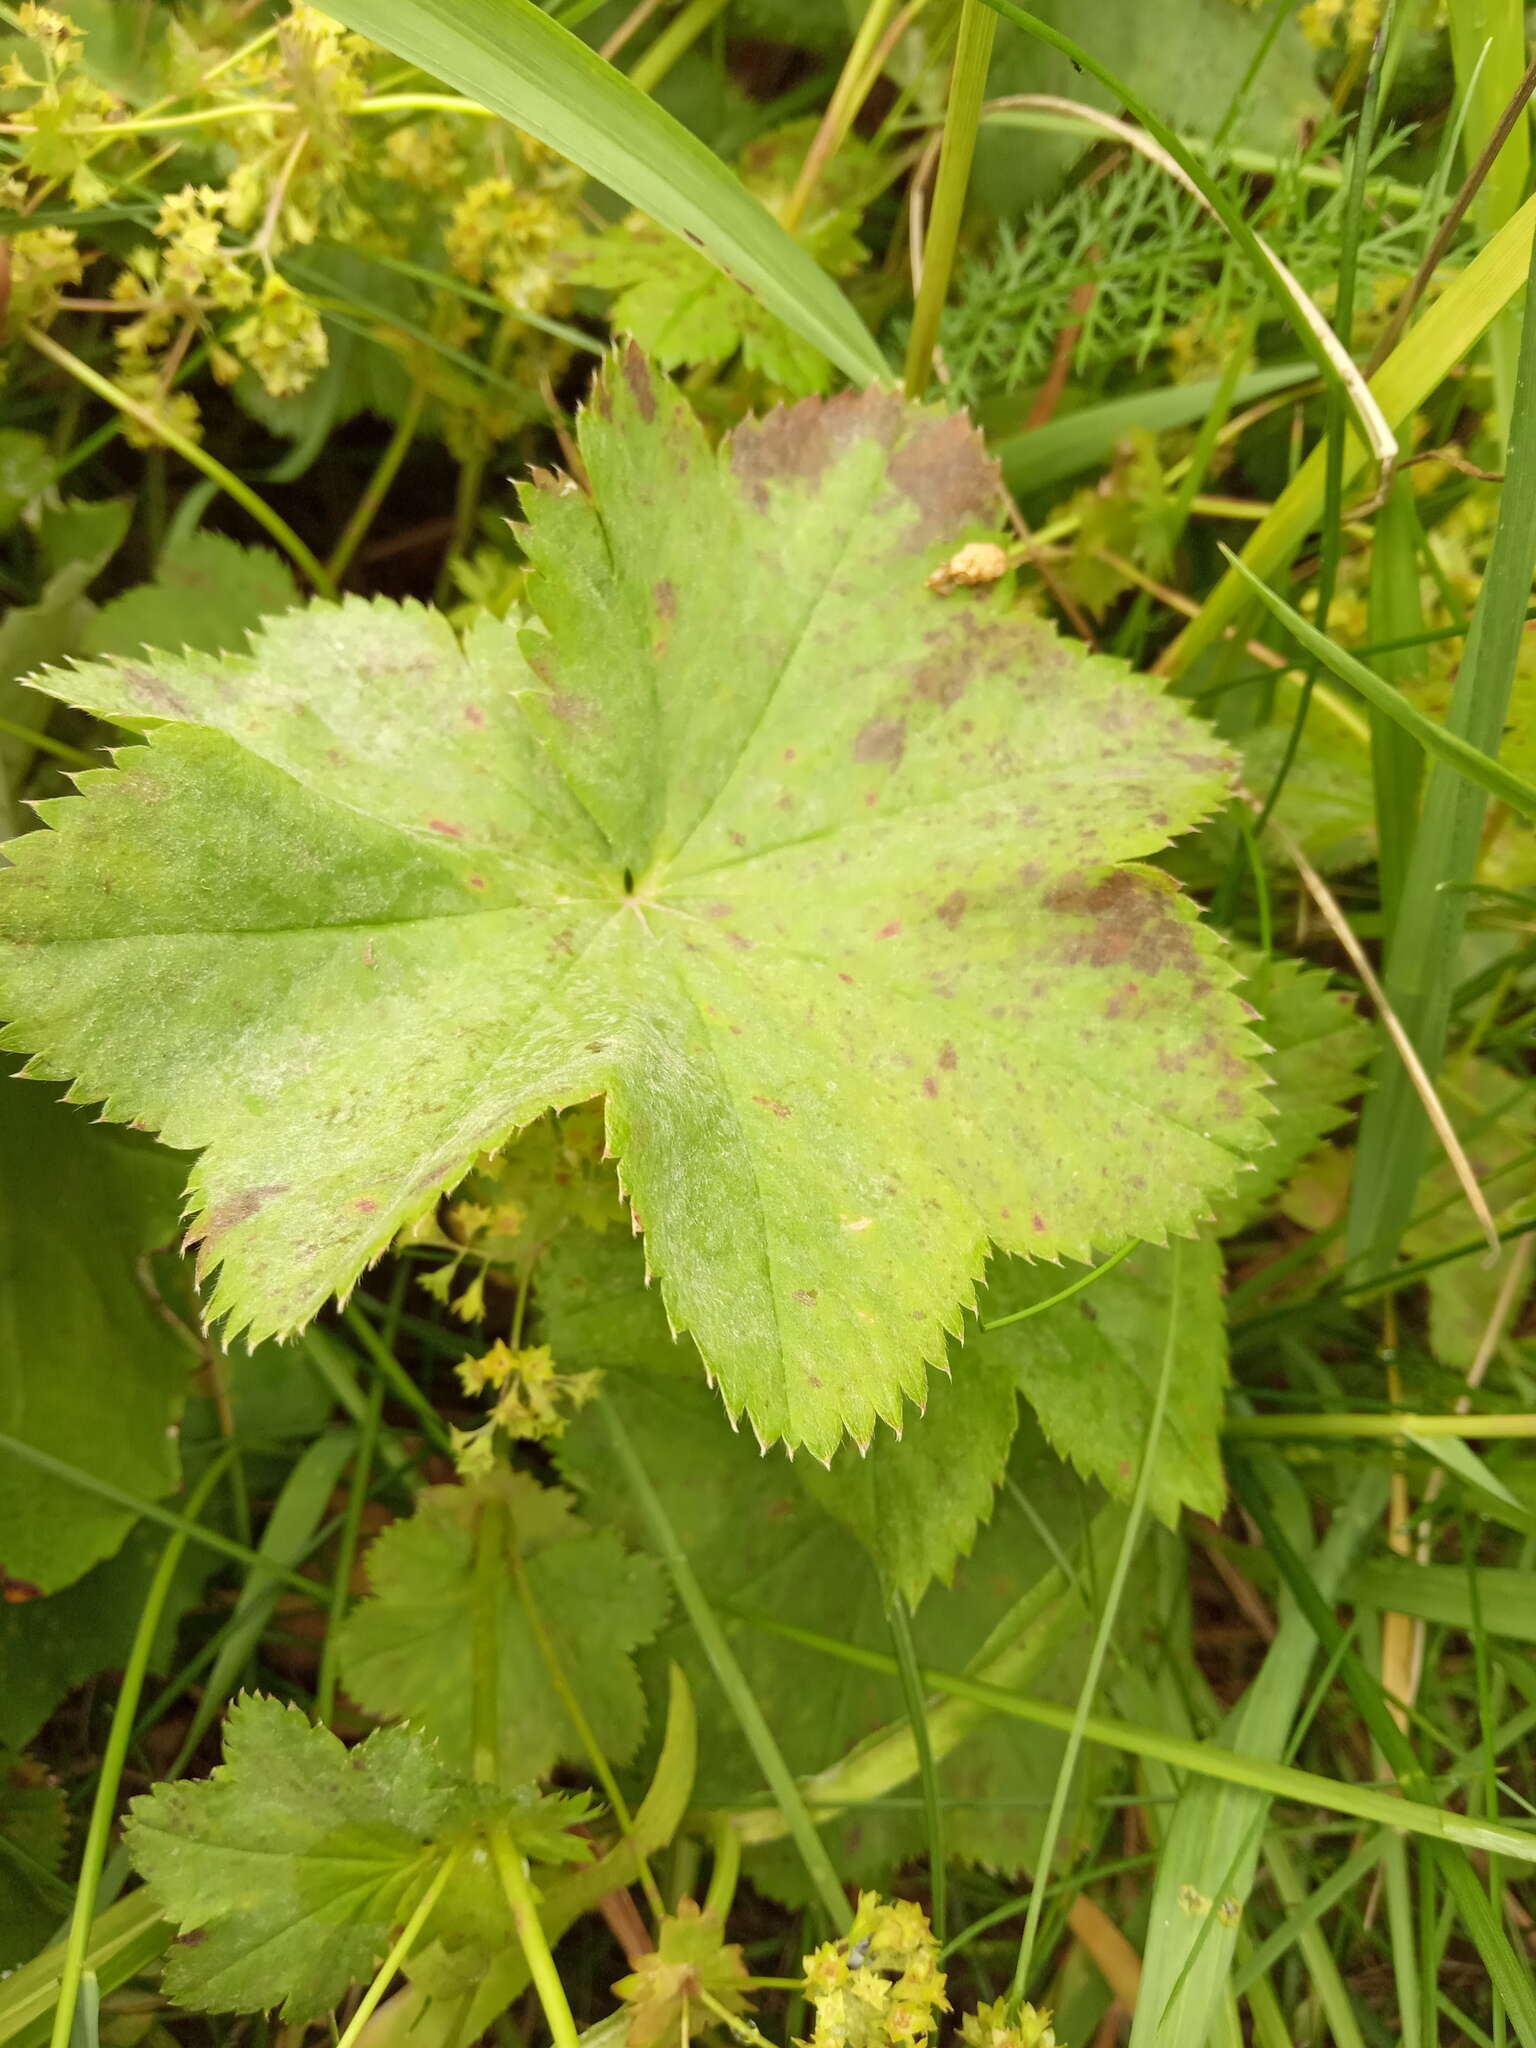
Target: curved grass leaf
x,y
1484,769
509,55
825,881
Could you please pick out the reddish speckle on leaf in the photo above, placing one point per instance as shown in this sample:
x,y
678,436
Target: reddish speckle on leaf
x,y
477,881
891,930
448,831
1037,1224
789,753
947,1059
364,1207
847,978
740,941
930,1087
473,715
768,1102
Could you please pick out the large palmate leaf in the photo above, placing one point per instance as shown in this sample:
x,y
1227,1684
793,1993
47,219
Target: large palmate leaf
x,y
815,874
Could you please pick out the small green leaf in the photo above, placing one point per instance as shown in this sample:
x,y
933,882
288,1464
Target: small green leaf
x,y
208,593
916,1502
1319,1046
91,1370
289,1870
1089,1367
828,883
407,1649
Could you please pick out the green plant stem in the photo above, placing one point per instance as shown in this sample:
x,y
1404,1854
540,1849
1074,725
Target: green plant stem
x,y
730,1676
575,1713
346,1553
674,42
151,1511
409,1935
235,487
45,743
967,91
397,1379
1101,1640
1181,1752
1022,1315
727,1868
842,109
485,1597
513,1872
366,509
1388,1426
110,1776
900,1621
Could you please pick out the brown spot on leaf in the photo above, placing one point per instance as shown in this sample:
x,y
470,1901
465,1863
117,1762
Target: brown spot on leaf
x,y
473,715
638,377
448,831
947,1059
238,1209
665,595
883,740
952,909
930,1087
1037,1224
805,1295
945,471
891,930
780,1109
159,698
477,881
1133,924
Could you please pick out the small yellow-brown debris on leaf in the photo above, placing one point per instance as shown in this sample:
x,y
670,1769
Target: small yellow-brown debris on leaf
x,y
977,563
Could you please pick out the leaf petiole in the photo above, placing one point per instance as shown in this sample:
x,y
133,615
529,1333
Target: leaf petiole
x,y
513,1872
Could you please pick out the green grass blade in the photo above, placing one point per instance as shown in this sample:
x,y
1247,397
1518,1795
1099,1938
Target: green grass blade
x,y
927,1776
731,1678
1396,614
508,55
1488,57
1217,1829
1427,354
1439,1592
1422,961
1203,1759
1485,770
109,1778
1510,1975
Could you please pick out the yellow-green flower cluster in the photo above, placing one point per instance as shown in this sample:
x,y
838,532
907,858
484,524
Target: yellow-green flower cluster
x,y
881,1985
990,2027
533,1399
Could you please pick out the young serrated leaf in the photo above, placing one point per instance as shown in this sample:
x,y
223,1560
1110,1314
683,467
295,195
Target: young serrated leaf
x,y
822,879
1089,1367
91,1370
208,593
1319,1046
407,1649
288,1870
760,1544
914,1502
